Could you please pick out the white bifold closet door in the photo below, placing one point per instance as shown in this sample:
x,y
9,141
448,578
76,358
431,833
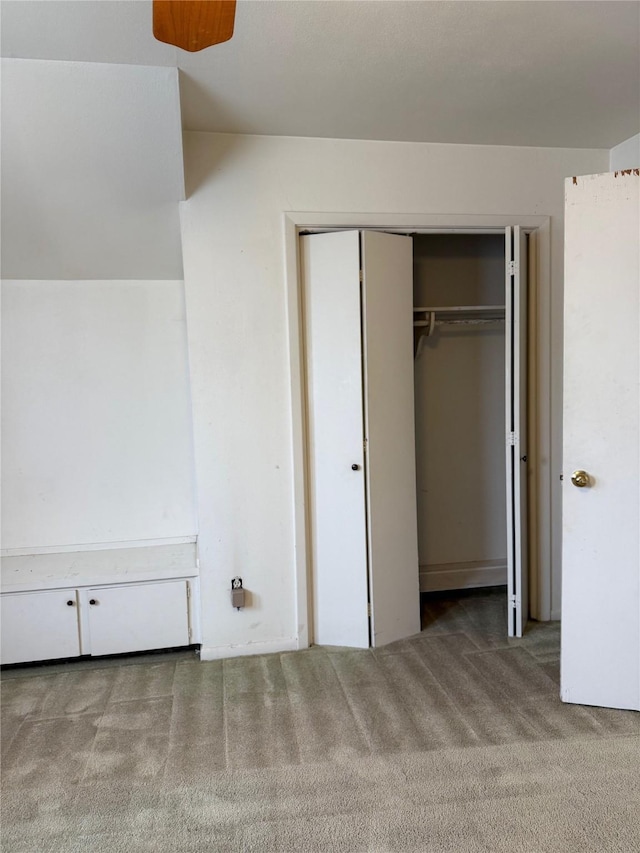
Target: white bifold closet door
x,y
600,657
516,428
358,305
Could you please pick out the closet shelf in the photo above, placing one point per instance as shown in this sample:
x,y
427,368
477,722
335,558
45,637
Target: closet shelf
x,y
429,317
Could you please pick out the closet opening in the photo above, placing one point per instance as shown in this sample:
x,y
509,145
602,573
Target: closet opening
x,y
460,398
415,354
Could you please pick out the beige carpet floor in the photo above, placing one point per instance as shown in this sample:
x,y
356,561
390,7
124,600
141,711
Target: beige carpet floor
x,y
454,740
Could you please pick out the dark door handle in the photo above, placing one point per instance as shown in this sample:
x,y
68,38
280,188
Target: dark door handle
x,y
92,601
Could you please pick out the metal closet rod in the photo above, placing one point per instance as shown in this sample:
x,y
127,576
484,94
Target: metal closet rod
x,y
427,327
451,322
458,309
455,317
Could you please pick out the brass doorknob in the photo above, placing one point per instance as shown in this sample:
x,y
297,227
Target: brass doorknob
x,y
580,479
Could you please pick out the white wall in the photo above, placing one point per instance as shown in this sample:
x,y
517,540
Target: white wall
x,y
234,257
96,419
626,155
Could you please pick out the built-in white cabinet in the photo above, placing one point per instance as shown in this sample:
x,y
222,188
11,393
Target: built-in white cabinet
x,y
136,617
40,625
103,620
65,605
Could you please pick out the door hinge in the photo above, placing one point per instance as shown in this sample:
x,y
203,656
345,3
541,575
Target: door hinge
x,y
513,268
512,439
369,609
365,445
514,602
361,276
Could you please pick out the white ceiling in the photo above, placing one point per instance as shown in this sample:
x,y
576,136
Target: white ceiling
x,y
508,73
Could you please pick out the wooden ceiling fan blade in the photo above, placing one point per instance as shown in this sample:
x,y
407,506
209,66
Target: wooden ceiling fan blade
x,y
193,24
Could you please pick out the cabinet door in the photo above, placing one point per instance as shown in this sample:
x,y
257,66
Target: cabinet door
x,y
136,617
39,626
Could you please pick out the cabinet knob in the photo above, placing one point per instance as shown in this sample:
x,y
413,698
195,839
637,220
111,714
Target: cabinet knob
x,y
71,603
92,601
355,467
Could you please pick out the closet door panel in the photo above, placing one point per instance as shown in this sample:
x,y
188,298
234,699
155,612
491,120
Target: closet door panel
x,y
331,276
387,261
516,424
520,420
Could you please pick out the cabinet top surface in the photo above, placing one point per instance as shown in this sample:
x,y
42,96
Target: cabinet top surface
x,y
94,568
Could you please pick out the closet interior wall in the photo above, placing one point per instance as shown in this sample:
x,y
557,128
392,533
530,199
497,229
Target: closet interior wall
x,y
460,415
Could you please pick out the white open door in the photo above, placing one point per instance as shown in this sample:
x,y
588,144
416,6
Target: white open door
x,y
600,658
387,264
516,426
362,505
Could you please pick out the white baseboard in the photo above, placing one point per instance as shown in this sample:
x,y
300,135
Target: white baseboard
x,y
444,576
286,644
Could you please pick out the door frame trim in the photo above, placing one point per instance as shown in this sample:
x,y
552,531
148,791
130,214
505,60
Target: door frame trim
x,y
539,404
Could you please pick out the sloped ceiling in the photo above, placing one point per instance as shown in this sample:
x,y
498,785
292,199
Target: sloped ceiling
x,y
91,171
508,73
